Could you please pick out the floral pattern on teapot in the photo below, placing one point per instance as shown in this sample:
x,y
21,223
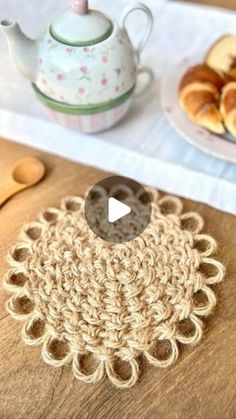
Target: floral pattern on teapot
x,y
86,75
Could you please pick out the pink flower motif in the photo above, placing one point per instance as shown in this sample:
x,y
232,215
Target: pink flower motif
x,y
81,90
44,81
105,59
69,50
49,41
40,61
118,71
200,131
60,77
83,69
117,88
62,97
86,49
104,81
169,109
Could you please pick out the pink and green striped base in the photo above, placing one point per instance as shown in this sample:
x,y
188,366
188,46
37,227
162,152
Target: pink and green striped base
x,y
90,118
90,124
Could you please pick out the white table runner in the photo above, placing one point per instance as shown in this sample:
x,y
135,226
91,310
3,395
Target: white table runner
x,y
144,146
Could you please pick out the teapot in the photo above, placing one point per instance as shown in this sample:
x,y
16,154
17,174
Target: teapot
x,y
84,67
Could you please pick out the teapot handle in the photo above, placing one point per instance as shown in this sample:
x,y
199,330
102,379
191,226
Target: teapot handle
x,y
148,30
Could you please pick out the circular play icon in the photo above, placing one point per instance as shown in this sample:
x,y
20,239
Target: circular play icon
x,y
118,209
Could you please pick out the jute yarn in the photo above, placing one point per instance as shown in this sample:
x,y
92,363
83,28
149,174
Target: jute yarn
x,y
80,296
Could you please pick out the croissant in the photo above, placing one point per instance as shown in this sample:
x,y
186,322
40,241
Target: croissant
x,y
228,107
199,96
232,74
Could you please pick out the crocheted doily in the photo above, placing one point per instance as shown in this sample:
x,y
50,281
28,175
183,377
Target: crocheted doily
x,y
81,297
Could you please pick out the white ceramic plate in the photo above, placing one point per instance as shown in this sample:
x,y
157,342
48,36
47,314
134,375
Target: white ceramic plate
x,y
223,147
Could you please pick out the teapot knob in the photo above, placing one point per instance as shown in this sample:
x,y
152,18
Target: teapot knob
x,y
80,7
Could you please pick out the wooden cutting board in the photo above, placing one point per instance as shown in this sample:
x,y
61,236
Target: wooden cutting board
x,y
200,385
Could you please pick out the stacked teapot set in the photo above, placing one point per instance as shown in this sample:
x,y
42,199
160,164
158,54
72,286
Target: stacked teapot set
x,y
84,67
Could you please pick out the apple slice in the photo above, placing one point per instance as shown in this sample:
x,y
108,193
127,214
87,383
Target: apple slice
x,y
222,55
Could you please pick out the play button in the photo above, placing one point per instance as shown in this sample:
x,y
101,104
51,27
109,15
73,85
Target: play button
x,y
118,209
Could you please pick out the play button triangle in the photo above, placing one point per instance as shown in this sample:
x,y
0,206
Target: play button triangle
x,y
117,210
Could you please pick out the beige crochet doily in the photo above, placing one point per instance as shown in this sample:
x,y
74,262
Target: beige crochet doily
x,y
81,297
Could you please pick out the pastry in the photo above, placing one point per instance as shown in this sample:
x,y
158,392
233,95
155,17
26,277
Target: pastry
x,y
228,107
203,73
199,95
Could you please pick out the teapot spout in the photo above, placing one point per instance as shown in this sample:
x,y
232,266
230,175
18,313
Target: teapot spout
x,y
22,49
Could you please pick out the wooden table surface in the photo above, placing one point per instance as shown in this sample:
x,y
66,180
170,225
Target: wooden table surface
x,y
228,4
202,384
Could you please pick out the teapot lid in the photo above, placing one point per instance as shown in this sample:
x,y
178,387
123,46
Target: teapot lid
x,y
81,26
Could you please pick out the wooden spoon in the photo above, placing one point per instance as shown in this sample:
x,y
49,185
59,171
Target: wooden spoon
x,y
27,173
